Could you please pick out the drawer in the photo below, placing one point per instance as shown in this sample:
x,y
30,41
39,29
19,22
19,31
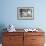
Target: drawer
x,y
12,44
27,37
37,44
27,40
34,33
12,39
8,45
13,33
37,39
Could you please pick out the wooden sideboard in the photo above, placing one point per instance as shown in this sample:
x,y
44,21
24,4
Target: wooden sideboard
x,y
23,38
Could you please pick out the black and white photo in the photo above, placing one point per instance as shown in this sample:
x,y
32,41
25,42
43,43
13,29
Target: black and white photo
x,y
25,13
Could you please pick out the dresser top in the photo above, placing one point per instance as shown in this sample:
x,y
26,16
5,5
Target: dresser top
x,y
22,30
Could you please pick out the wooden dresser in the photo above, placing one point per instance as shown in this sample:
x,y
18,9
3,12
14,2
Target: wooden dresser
x,y
23,39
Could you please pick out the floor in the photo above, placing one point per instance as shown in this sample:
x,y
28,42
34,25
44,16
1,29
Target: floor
x,y
0,44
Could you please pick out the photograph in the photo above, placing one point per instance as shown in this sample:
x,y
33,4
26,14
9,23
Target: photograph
x,y
25,13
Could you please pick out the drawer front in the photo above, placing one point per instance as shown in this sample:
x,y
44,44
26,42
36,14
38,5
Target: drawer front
x,y
37,44
12,39
27,41
13,33
34,33
12,44
37,39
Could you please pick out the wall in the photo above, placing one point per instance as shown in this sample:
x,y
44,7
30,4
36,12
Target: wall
x,y
8,13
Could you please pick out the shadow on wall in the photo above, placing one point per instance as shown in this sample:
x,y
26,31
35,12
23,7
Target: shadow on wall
x,y
2,26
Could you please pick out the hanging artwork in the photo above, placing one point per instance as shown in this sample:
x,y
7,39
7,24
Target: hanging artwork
x,y
25,13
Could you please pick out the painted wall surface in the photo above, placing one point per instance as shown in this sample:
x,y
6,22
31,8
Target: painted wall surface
x,y
8,13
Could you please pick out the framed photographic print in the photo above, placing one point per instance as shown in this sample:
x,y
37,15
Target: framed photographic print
x,y
25,13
